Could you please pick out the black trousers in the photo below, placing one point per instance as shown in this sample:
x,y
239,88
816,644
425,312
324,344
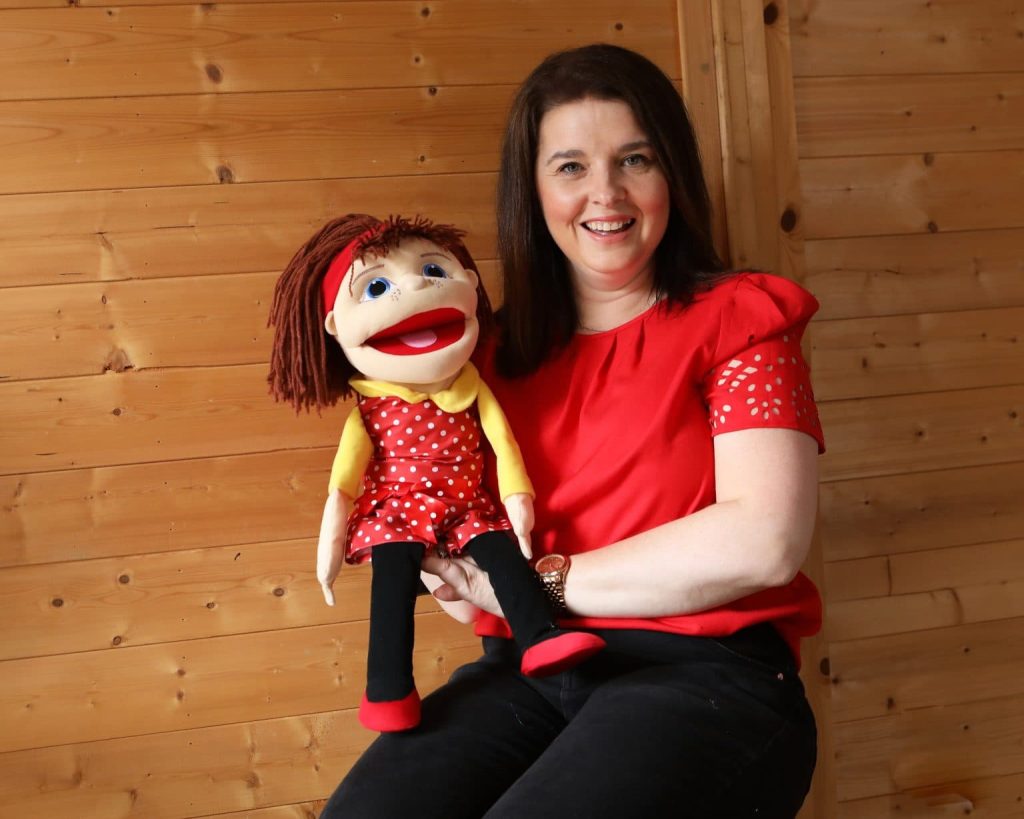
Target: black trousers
x,y
656,725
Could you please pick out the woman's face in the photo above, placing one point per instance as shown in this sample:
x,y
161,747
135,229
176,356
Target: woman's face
x,y
604,197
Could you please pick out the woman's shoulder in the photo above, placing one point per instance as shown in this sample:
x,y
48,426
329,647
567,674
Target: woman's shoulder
x,y
753,288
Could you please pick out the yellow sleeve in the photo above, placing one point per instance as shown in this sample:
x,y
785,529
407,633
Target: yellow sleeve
x,y
512,477
353,455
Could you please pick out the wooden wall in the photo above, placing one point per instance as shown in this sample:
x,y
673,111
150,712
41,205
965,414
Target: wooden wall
x,y
165,651
910,122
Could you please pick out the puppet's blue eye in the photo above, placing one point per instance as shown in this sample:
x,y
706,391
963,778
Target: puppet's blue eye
x,y
434,271
376,288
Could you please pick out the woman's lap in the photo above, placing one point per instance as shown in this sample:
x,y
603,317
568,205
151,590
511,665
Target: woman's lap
x,y
703,732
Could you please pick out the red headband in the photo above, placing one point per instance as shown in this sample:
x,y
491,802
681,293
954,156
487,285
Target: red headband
x,y
339,267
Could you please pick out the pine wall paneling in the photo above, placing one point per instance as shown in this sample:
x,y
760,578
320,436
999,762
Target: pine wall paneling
x,y
910,131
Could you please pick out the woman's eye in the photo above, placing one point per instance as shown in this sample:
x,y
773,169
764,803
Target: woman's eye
x,y
636,161
434,271
375,288
570,168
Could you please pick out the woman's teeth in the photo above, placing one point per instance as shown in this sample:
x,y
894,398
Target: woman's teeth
x,y
608,227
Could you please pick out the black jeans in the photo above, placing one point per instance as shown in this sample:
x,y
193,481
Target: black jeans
x,y
657,725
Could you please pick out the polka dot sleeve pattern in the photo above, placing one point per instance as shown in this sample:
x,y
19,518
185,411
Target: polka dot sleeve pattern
x,y
766,385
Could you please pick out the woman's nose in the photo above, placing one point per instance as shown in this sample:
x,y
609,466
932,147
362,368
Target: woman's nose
x,y
607,187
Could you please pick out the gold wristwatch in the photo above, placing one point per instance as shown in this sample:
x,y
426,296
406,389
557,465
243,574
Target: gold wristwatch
x,y
552,569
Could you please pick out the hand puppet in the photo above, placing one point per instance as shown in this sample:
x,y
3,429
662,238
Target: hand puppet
x,y
391,311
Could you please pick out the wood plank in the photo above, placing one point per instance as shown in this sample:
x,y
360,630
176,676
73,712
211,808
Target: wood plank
x,y
237,47
162,507
852,37
157,415
997,797
928,272
893,514
876,195
93,144
943,667
208,229
917,433
136,600
927,352
958,603
930,746
120,692
847,116
304,810
184,773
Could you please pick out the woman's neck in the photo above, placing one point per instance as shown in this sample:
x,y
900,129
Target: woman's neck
x,y
601,311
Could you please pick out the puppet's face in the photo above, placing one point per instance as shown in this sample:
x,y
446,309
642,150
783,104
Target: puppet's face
x,y
408,317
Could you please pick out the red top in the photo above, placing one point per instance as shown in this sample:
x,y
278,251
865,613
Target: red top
x,y
616,430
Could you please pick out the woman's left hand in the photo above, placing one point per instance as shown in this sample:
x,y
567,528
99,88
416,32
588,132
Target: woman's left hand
x,y
462,579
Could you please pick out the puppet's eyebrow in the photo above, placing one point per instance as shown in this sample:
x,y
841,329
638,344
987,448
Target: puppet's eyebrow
x,y
352,281
435,253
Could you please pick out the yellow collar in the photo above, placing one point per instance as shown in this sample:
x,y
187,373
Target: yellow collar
x,y
458,397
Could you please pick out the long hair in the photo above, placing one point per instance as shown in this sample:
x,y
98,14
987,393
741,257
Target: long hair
x,y
539,312
307,366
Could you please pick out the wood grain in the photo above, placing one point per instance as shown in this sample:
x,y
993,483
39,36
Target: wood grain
x,y
884,195
241,766
83,514
851,37
134,50
196,230
921,273
926,352
132,691
997,797
892,514
918,433
937,668
853,116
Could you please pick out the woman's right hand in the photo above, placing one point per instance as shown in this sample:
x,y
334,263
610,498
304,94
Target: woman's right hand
x,y
461,583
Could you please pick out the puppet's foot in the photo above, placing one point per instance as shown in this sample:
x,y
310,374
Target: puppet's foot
x,y
391,715
559,652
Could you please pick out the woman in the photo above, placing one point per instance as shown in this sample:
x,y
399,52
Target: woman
x,y
666,418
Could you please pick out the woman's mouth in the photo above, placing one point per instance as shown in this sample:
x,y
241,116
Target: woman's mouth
x,y
421,333
608,227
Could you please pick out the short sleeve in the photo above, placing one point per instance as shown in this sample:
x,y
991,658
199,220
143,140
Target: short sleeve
x,y
758,377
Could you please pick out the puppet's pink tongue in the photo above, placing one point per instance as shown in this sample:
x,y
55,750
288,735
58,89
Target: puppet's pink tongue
x,y
419,338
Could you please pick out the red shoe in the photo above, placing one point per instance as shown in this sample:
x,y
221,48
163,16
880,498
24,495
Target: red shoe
x,y
559,653
391,715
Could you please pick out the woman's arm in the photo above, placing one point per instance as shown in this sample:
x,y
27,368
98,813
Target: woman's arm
x,y
755,536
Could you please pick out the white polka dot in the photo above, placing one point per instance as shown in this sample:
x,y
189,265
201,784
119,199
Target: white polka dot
x,y
387,536
405,410
408,430
757,357
412,468
383,415
376,528
399,442
394,469
727,408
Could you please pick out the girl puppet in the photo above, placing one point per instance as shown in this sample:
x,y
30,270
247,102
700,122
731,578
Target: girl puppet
x,y
392,311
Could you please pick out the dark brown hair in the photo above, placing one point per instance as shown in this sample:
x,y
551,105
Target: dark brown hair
x,y
307,367
539,313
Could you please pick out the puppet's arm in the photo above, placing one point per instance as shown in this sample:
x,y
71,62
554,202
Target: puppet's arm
x,y
513,483
346,477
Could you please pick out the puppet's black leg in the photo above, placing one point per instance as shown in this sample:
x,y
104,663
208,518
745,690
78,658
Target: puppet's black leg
x,y
547,649
391,702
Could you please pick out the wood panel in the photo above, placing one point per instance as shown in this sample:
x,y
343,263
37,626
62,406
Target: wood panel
x,y
880,195
998,797
850,37
927,272
185,773
926,669
916,433
852,116
145,599
304,810
132,50
925,352
67,145
889,515
82,514
197,230
132,691
930,746
158,415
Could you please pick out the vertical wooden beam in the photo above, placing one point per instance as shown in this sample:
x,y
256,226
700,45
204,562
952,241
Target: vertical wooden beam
x,y
759,203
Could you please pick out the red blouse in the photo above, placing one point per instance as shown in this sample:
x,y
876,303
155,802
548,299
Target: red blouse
x,y
616,430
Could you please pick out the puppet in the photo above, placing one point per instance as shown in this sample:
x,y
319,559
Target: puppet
x,y
391,311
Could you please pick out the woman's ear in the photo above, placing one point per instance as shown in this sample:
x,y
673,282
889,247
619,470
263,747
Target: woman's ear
x,y
330,326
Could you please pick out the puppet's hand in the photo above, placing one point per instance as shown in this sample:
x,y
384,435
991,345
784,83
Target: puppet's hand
x,y
330,550
519,508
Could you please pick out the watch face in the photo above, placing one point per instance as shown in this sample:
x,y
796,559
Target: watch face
x,y
550,563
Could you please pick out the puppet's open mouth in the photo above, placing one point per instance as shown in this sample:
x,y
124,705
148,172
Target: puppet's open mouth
x,y
422,333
